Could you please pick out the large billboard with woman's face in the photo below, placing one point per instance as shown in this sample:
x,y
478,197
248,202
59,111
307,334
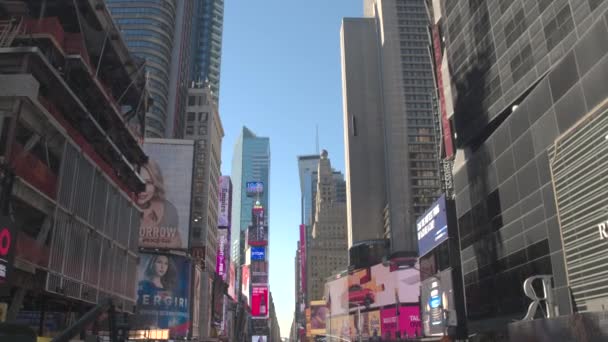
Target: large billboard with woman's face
x,y
166,200
163,293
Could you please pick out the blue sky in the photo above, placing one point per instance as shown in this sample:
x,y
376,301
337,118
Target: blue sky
x,y
281,77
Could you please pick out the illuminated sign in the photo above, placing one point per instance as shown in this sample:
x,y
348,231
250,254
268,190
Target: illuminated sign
x,y
254,188
258,253
259,301
7,247
432,227
224,209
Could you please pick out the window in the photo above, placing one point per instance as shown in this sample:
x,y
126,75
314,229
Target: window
x,y
558,28
191,101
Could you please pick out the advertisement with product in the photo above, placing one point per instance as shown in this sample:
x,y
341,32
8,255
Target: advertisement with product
x,y
223,245
245,282
259,301
232,281
438,305
257,235
319,314
380,286
163,293
432,226
405,324
225,202
166,198
8,235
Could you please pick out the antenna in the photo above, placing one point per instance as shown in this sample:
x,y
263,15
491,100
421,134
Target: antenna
x,y
317,139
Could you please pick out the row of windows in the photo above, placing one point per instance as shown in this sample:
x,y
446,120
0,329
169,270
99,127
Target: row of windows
x,y
144,21
140,33
170,5
409,29
150,45
139,11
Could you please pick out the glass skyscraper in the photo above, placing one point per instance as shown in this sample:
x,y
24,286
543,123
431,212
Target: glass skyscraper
x,y
206,42
250,162
159,31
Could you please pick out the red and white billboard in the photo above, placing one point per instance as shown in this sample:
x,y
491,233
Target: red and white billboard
x,y
259,301
245,282
225,202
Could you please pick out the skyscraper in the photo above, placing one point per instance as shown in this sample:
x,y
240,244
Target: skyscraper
x,y
250,163
159,32
307,165
529,102
389,126
207,30
327,249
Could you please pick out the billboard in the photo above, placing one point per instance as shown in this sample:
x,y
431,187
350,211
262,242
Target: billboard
x,y
258,253
257,218
404,324
319,313
259,272
257,235
438,304
232,281
223,245
254,188
245,282
196,299
166,198
259,301
225,202
258,338
163,293
7,247
432,227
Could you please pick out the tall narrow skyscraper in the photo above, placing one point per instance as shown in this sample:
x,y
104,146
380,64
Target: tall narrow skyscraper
x,y
250,163
206,41
159,31
389,126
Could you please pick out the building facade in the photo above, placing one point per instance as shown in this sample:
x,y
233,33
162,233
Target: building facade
x,y
250,162
527,77
159,32
391,132
63,131
207,32
327,248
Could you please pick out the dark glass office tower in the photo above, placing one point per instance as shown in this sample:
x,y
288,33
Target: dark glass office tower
x,y
523,74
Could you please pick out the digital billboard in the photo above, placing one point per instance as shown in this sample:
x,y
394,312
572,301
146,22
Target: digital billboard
x,y
319,314
257,235
258,253
405,324
259,272
257,218
259,338
166,198
232,281
259,301
223,245
225,202
432,227
7,247
438,304
245,281
254,188
163,293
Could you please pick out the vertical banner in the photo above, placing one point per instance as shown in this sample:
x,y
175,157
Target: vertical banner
x,y
319,313
196,300
223,245
166,198
232,282
245,282
259,301
303,260
163,293
225,205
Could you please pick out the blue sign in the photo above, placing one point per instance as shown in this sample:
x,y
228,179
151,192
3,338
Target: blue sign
x,y
258,253
432,227
254,188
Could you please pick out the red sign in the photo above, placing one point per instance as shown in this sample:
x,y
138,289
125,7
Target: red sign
x,y
259,301
7,247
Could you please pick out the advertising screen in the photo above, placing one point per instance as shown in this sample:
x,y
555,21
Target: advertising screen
x,y
163,293
379,286
259,272
405,324
166,198
437,302
257,338
217,312
245,282
319,313
258,253
432,227
231,281
225,202
223,244
7,247
254,188
334,292
259,301
257,218
257,235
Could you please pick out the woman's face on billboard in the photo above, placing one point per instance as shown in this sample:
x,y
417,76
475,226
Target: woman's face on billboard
x,y
147,194
160,265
